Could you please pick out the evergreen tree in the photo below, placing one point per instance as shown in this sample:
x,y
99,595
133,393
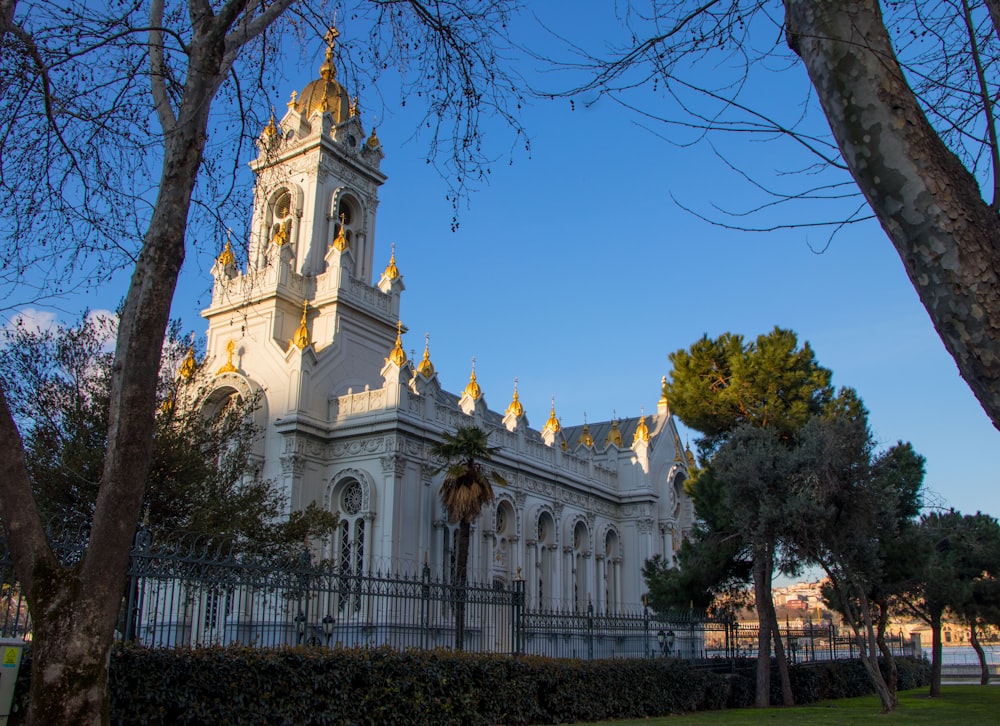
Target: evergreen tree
x,y
203,477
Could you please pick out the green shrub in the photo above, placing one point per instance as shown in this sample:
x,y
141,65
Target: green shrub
x,y
238,685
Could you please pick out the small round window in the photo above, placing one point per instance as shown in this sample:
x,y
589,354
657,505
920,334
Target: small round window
x,y
351,499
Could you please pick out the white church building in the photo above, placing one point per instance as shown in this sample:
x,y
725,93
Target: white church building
x,y
348,420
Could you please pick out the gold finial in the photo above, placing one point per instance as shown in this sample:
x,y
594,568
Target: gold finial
x,y
352,110
426,368
663,389
391,271
641,431
226,257
515,406
340,241
188,365
328,70
689,455
270,130
373,142
553,423
291,101
168,404
585,438
397,355
228,367
301,338
614,436
472,389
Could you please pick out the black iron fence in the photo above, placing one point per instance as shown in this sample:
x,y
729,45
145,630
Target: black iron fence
x,y
190,594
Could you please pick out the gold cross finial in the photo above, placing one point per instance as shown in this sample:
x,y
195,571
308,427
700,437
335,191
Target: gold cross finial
x,y
332,34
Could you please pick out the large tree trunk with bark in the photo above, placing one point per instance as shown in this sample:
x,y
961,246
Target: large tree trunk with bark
x,y
74,609
926,200
762,596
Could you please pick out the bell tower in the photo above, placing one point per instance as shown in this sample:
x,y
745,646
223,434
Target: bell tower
x,y
307,302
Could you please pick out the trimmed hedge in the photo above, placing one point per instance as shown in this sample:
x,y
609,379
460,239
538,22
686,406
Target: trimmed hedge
x,y
381,686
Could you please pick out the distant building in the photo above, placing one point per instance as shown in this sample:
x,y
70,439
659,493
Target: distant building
x,y
348,418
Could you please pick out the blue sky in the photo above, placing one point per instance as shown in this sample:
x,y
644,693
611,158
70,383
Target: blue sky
x,y
576,272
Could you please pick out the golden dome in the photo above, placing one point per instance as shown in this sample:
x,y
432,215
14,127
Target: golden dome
x,y
398,355
391,271
641,431
515,406
585,438
301,338
614,435
472,389
553,423
426,368
325,94
188,365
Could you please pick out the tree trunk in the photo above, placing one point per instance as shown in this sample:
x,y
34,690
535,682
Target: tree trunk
x,y
787,697
928,203
892,682
984,667
762,596
935,655
461,578
69,661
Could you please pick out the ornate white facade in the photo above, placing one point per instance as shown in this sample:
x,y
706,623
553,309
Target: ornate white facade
x,y
348,420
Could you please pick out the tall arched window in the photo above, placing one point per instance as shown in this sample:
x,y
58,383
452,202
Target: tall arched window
x,y
612,571
350,545
579,563
546,561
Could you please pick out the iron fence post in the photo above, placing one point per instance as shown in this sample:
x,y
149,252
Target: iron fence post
x,y
518,616
425,605
590,629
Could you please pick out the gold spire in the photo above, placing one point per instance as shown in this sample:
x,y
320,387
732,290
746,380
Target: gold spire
x,y
301,338
373,142
391,271
188,365
515,406
291,101
353,108
553,423
226,257
398,355
340,241
614,435
663,389
641,431
328,70
270,130
585,438
228,367
426,368
472,389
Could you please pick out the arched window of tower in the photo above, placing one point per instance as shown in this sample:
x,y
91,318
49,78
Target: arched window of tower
x,y
280,227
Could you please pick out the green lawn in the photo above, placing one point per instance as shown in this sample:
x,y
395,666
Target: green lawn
x,y
958,706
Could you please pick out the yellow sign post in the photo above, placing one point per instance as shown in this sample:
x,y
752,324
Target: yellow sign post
x,y
10,664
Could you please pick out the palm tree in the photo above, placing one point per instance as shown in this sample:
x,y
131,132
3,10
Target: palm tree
x,y
465,491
